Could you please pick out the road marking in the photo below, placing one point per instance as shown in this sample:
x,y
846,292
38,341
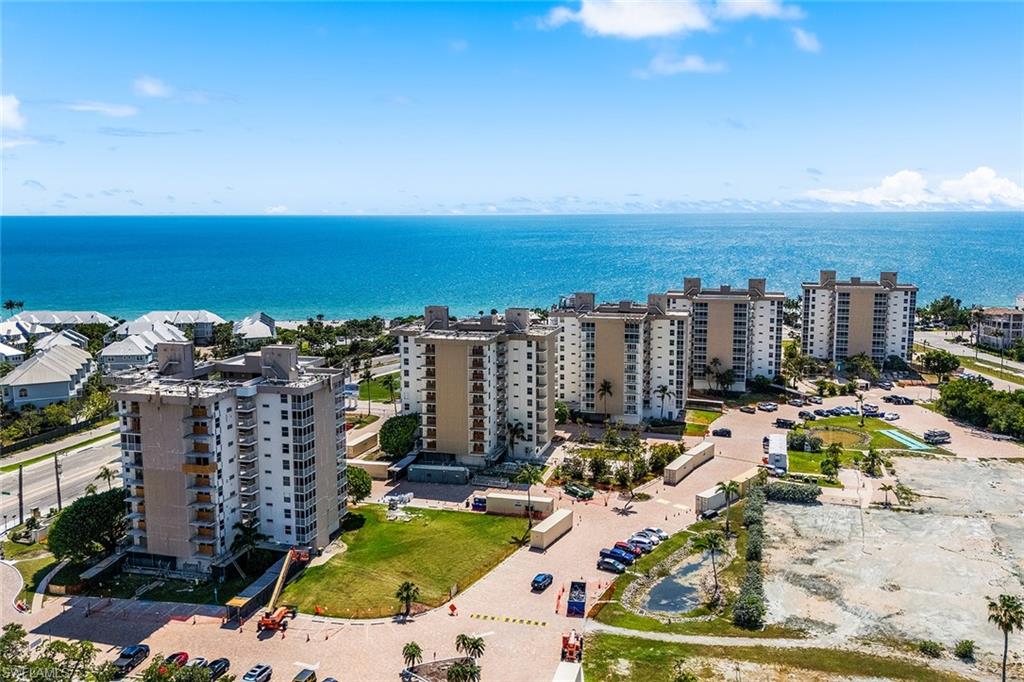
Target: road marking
x,y
509,619
681,506
661,500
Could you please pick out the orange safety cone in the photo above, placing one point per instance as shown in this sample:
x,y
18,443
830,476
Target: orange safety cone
x,y
307,636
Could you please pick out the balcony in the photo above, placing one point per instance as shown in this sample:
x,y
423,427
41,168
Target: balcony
x,y
429,361
477,375
303,422
138,532
431,397
200,469
246,424
430,409
478,437
477,352
204,550
250,507
132,410
479,424
248,473
430,421
247,457
430,385
431,373
477,364
430,444
477,400
478,412
476,388
248,441
249,491
203,520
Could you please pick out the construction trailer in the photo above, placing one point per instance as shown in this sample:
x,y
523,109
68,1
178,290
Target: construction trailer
x,y
544,534
778,452
685,464
508,504
712,498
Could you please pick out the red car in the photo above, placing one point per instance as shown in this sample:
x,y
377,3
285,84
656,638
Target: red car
x,y
179,659
626,547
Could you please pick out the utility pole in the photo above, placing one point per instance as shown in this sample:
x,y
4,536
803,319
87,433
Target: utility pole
x,y
56,474
21,494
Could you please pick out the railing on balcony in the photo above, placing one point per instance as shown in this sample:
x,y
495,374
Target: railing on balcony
x,y
478,412
479,424
430,409
476,388
478,437
477,364
430,421
245,406
477,375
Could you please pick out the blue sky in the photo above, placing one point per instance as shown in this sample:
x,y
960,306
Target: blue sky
x,y
603,106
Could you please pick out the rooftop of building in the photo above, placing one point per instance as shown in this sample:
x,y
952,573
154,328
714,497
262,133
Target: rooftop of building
x,y
64,317
694,289
887,280
999,310
182,317
54,365
259,325
437,324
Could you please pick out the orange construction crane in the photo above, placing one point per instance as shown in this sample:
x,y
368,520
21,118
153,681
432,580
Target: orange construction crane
x,y
276,618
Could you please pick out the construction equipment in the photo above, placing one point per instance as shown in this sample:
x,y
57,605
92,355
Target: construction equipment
x,y
276,617
572,647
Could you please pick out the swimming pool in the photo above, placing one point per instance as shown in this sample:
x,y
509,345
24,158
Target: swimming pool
x,y
905,439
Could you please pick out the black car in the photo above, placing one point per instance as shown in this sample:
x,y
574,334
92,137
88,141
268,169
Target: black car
x,y
218,667
709,514
541,582
807,416
821,413
130,658
724,433
785,423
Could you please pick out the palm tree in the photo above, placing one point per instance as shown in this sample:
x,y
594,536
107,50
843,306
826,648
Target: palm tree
x,y
90,489
463,671
726,378
711,541
860,405
1008,615
9,305
886,488
390,383
412,654
247,538
407,593
530,475
999,334
731,489
977,316
366,378
514,431
712,368
107,475
871,461
605,391
470,646
663,392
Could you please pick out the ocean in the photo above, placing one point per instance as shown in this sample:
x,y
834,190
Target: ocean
x,y
344,267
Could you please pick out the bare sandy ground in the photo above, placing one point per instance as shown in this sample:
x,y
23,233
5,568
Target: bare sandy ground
x,y
881,574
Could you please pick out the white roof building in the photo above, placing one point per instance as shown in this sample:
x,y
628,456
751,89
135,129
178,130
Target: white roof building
x,y
17,333
52,376
256,327
136,350
162,330
182,317
65,337
64,318
10,354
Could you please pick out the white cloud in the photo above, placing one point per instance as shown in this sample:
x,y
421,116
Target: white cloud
x,y
279,209
667,64
734,10
805,40
909,189
148,86
10,113
632,18
459,45
982,186
113,110
12,142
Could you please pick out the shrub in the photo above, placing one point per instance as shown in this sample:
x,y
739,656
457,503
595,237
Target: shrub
x,y
792,492
90,524
749,609
398,434
964,649
760,384
755,542
561,412
929,648
753,509
359,484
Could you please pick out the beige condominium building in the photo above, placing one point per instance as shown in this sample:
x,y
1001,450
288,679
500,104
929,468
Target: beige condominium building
x,y
842,318
468,379
1001,327
258,438
734,330
614,358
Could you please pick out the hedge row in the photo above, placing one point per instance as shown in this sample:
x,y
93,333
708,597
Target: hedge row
x,y
778,491
749,609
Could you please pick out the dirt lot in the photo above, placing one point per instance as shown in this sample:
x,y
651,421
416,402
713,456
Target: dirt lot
x,y
882,574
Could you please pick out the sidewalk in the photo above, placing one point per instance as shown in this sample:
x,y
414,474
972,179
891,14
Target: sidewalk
x,y
62,444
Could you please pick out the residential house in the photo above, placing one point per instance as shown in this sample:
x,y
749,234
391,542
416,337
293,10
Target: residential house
x,y
51,376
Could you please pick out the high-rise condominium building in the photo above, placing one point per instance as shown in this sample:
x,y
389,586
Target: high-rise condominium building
x,y
469,379
846,318
627,361
258,438
737,333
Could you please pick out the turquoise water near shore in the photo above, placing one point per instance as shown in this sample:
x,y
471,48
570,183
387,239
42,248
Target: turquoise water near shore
x,y
293,267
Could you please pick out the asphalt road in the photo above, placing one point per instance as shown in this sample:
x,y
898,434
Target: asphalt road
x,y
79,469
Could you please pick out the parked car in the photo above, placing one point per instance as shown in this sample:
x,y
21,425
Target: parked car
x,y
197,662
749,409
902,400
635,547
767,407
820,413
305,675
709,514
179,659
807,416
722,433
887,398
657,531
479,504
604,564
796,402
218,667
626,547
580,492
836,412
130,658
653,537
885,384
625,558
261,672
541,582
936,437
890,416
785,423
641,541
816,400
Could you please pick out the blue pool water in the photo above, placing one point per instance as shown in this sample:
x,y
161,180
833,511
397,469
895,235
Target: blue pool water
x,y
293,267
906,440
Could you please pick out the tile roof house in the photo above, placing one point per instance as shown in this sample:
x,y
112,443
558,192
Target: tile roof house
x,y
51,376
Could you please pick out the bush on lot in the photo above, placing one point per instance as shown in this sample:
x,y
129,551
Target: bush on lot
x,y
753,510
755,542
964,649
980,405
398,434
792,492
749,608
359,484
929,648
803,441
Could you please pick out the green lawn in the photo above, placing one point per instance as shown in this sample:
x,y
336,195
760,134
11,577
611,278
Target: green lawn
x,y
435,550
801,462
373,390
360,420
653,661
871,428
701,416
33,571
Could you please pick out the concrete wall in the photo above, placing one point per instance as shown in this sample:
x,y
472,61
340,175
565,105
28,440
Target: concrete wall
x,y
361,444
377,470
862,312
609,352
452,398
544,534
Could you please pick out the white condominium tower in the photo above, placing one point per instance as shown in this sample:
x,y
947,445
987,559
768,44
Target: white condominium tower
x,y
846,318
258,438
737,333
469,379
614,358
